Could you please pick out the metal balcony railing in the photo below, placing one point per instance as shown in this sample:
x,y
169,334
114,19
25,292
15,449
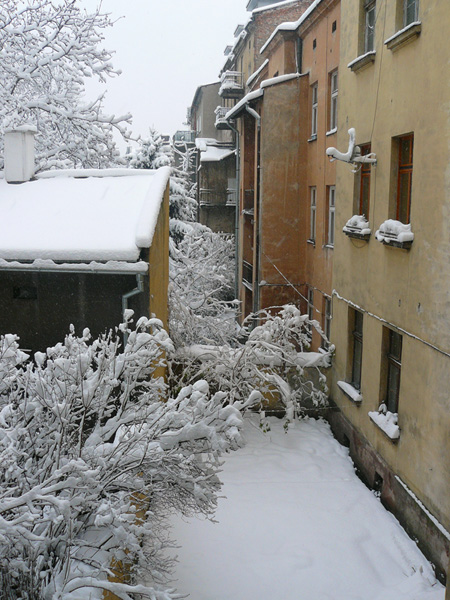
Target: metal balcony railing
x,y
221,122
232,85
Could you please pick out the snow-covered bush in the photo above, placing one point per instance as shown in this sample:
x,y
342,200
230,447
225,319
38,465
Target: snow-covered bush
x,y
201,293
270,363
47,50
92,460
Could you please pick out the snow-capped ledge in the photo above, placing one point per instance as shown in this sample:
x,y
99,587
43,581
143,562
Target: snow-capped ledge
x,y
387,422
350,391
404,36
357,227
394,233
362,61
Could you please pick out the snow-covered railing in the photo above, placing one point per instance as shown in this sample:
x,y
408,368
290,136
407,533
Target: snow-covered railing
x,y
221,112
231,84
395,233
358,226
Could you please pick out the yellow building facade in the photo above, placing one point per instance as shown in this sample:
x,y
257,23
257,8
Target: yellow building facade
x,y
391,271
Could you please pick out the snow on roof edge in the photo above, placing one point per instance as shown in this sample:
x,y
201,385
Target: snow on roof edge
x,y
111,266
291,25
255,74
81,173
272,6
147,223
245,100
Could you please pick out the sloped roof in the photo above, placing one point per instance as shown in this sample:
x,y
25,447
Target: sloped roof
x,y
81,216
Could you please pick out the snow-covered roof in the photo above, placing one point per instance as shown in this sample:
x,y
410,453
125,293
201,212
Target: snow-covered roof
x,y
81,216
291,25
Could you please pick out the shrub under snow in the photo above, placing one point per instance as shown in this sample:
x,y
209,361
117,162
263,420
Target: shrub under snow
x,y
92,460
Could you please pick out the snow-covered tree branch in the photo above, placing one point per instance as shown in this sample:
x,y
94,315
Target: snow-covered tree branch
x,y
47,51
92,460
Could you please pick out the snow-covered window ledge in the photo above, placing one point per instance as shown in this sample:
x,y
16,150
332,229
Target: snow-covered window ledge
x,y
395,234
387,422
357,227
362,61
404,36
351,392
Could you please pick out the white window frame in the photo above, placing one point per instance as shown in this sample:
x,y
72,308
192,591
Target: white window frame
x,y
333,99
369,30
331,214
314,109
406,4
312,217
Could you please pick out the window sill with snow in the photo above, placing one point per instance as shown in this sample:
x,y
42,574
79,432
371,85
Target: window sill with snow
x,y
387,422
351,392
357,227
395,234
363,61
404,36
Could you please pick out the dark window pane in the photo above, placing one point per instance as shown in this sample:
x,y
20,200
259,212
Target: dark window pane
x,y
357,361
404,190
393,388
395,345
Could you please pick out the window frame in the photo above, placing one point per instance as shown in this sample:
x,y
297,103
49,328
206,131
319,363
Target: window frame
x,y
312,213
334,89
327,317
364,176
407,4
394,368
404,168
314,109
357,341
369,40
310,303
331,215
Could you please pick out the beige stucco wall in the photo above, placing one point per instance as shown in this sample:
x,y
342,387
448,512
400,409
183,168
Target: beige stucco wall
x,y
406,91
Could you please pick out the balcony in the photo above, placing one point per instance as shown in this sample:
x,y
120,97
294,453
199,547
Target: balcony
x,y
184,137
231,85
221,123
217,199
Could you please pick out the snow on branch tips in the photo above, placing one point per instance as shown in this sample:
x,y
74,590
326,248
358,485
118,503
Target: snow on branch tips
x,y
47,50
92,461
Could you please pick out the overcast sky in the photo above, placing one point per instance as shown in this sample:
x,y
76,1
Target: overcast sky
x,y
165,49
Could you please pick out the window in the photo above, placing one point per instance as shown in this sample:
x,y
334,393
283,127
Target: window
x,y
314,43
357,336
314,91
326,321
404,181
333,99
364,185
369,26
331,214
410,12
312,218
333,27
310,303
394,365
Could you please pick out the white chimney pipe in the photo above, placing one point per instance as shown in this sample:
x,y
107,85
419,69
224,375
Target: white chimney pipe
x,y
19,153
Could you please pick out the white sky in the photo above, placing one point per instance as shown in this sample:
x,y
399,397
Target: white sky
x,y
165,50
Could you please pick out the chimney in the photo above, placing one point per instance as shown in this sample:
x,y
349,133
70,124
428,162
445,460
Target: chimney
x,y
19,153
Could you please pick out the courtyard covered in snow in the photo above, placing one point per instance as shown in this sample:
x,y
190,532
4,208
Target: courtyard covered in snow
x,y
295,523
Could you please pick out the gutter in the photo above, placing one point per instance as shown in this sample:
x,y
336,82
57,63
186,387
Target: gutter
x,y
237,211
256,292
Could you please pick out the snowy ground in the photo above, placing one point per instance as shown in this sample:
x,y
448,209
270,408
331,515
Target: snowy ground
x,y
297,524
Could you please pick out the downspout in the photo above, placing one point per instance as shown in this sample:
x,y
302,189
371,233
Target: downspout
x,y
256,293
237,211
137,290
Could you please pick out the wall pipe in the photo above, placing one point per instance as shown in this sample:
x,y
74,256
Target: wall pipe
x,y
237,211
125,297
256,292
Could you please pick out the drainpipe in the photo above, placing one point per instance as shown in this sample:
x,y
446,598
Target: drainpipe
x,y
256,293
137,290
237,212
